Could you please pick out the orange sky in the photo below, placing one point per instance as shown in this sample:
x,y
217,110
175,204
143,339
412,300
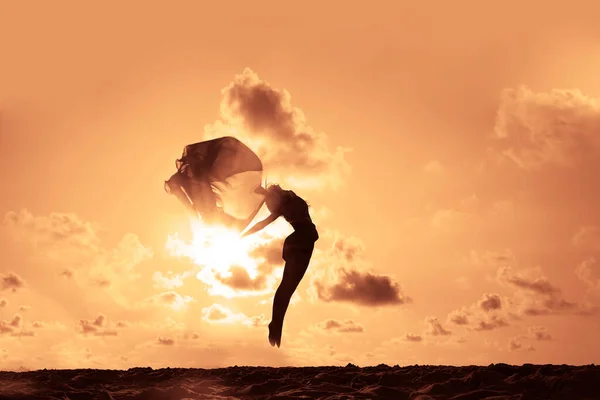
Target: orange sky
x,y
453,182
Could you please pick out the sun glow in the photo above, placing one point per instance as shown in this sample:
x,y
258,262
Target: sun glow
x,y
218,251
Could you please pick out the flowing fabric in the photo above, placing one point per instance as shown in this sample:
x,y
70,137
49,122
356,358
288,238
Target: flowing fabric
x,y
218,179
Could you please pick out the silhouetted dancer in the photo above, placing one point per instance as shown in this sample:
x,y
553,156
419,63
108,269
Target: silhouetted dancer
x,y
297,249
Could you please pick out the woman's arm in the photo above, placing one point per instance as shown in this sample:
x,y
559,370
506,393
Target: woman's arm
x,y
261,225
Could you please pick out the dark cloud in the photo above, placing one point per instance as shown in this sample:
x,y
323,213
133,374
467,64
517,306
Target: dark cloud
x,y
165,341
514,344
3,303
436,328
490,302
362,288
11,281
264,117
347,326
413,337
350,282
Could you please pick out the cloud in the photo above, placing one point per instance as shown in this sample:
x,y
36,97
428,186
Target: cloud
x,y
60,236
67,273
361,288
268,255
23,334
10,326
559,127
11,281
218,314
459,317
165,341
14,327
347,326
349,282
587,237
491,323
537,296
490,302
169,280
238,278
514,344
484,315
413,337
539,333
73,247
116,267
252,272
435,327
96,327
587,272
538,285
258,320
434,167
491,259
237,281
264,118
171,299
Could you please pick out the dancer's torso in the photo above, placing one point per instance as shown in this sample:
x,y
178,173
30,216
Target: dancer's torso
x,y
295,211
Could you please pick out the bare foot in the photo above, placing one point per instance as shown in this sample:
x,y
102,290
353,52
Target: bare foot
x,y
275,334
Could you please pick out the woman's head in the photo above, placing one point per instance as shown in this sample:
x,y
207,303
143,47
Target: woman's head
x,y
273,197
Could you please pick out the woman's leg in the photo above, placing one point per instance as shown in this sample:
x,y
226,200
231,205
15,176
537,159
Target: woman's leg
x,y
297,258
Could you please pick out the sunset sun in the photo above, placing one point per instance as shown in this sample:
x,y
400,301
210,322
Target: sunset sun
x,y
219,253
